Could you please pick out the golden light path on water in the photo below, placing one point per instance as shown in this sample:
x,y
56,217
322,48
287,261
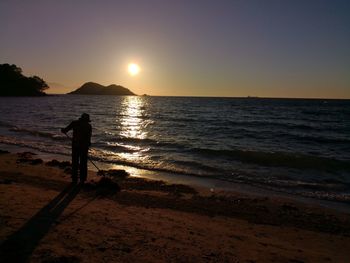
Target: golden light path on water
x,y
131,121
133,125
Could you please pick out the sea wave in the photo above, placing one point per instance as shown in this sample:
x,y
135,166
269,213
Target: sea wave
x,y
54,136
305,127
135,140
328,188
6,124
121,147
254,141
40,146
168,167
292,160
316,139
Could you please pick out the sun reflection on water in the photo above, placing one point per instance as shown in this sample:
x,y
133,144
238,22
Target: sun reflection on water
x,y
132,126
132,118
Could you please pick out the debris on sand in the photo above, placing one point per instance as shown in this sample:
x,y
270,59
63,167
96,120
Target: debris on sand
x,y
27,157
6,181
115,173
62,259
68,170
155,185
36,161
104,187
55,163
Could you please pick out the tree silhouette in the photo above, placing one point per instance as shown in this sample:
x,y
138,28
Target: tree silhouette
x,y
14,83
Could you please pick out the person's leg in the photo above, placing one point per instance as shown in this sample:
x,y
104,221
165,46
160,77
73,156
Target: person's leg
x,y
83,164
75,164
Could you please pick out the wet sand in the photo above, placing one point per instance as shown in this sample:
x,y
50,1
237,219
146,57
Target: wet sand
x,y
43,218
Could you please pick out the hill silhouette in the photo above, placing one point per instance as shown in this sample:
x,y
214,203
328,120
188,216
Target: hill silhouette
x,y
14,83
92,88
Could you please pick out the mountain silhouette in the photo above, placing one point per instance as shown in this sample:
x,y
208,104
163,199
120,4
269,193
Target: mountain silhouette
x,y
92,88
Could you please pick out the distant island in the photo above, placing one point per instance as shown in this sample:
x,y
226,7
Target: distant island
x,y
92,88
14,83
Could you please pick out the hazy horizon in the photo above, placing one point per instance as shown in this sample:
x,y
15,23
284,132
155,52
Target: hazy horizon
x,y
60,89
294,49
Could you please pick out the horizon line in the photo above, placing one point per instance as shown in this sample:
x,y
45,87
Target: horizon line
x,y
203,96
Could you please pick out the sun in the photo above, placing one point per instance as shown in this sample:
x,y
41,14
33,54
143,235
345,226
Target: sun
x,y
133,69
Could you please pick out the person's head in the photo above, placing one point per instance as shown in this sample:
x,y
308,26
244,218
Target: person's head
x,y
85,117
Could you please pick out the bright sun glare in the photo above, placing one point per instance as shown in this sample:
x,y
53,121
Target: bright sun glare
x,y
133,69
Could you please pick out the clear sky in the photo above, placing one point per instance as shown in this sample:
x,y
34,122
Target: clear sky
x,y
281,48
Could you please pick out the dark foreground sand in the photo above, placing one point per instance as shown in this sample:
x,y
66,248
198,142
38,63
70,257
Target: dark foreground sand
x,y
45,219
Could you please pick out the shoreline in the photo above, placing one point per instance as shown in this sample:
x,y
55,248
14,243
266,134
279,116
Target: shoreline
x,y
155,221
205,184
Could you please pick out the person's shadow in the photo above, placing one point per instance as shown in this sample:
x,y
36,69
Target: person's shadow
x,y
19,246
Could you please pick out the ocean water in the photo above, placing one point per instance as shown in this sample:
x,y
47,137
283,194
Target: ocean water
x,y
290,145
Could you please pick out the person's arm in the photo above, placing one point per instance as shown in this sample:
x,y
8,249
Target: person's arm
x,y
68,128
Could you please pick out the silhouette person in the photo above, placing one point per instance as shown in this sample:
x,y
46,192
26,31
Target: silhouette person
x,y
80,146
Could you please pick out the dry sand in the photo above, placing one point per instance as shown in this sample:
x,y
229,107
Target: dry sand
x,y
45,219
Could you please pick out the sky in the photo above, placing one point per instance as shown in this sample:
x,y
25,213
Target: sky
x,y
270,48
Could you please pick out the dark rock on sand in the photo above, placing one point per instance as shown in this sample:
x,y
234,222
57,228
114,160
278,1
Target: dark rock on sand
x,y
6,181
36,161
30,161
153,185
55,163
62,259
104,187
68,170
26,155
115,173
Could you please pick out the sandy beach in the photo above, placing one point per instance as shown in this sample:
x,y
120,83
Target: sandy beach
x,y
43,218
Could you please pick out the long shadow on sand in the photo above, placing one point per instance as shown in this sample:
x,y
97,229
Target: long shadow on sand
x,y
19,246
